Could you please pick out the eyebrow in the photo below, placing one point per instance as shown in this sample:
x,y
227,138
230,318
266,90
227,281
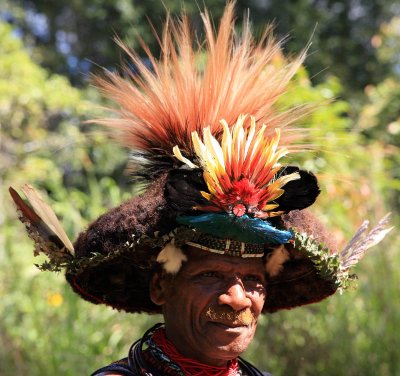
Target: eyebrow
x,y
229,266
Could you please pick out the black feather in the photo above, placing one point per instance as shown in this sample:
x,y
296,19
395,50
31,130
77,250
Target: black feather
x,y
145,167
182,190
299,194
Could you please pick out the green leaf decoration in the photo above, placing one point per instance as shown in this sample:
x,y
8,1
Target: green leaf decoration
x,y
326,263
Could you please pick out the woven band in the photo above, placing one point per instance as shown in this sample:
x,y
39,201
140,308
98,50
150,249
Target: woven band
x,y
228,247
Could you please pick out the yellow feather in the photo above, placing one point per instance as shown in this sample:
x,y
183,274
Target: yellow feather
x,y
214,149
206,195
198,146
226,141
275,214
249,154
269,207
276,193
178,155
238,138
259,140
250,135
211,181
274,188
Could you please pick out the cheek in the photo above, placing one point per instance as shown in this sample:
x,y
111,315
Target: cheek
x,y
195,304
205,295
258,299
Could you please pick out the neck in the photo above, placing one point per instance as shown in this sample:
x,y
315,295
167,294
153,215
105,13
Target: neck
x,y
191,366
185,348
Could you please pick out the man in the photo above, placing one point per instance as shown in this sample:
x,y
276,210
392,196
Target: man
x,y
211,321
220,235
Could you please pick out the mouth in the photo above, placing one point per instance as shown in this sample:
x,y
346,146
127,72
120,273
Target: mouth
x,y
231,324
229,327
231,319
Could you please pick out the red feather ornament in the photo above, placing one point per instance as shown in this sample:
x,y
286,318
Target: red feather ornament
x,y
240,173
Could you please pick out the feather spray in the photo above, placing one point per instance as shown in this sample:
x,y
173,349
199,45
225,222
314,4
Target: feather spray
x,y
159,106
362,241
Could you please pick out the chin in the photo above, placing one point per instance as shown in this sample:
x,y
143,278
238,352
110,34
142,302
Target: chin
x,y
232,348
230,351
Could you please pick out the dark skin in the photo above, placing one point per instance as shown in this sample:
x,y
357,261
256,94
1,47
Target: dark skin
x,y
207,282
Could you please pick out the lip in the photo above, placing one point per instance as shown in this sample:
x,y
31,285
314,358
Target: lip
x,y
229,327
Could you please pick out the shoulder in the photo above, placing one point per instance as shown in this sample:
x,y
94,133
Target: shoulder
x,y
119,368
250,370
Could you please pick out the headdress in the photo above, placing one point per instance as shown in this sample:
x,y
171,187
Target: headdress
x,y
208,142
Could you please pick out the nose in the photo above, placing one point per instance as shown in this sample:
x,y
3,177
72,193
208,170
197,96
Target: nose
x,y
235,297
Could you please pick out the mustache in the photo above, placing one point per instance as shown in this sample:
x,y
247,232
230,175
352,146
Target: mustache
x,y
226,315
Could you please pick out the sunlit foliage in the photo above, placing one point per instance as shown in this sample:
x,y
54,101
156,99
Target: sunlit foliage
x,y
45,329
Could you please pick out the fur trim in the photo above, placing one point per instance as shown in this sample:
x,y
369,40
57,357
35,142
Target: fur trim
x,y
275,261
171,258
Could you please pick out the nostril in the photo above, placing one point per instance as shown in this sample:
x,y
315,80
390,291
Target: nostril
x,y
235,297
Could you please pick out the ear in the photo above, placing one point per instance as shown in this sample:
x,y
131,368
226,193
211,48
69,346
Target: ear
x,y
158,288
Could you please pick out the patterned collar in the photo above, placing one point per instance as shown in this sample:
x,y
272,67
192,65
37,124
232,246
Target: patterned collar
x,y
154,361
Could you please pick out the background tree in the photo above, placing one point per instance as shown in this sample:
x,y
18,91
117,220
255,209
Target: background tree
x,y
70,37
379,118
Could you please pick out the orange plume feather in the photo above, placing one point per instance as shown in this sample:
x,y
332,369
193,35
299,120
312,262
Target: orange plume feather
x,y
160,106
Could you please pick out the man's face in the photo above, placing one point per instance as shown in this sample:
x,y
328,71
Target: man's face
x,y
212,305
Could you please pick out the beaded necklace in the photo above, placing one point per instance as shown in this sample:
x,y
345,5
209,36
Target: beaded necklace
x,y
187,366
161,358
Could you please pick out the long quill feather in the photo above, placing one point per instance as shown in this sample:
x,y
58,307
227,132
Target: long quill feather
x,y
42,217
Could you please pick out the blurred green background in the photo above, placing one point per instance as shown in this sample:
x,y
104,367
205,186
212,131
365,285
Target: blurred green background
x,y
48,50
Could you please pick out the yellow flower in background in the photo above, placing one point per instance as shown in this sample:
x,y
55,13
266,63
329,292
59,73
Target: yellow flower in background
x,y
55,299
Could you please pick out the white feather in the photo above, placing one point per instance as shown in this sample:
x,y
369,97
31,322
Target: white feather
x,y
171,257
275,261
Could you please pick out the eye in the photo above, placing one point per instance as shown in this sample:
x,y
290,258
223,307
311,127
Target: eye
x,y
208,274
254,278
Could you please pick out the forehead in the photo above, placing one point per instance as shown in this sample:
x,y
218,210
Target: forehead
x,y
198,258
